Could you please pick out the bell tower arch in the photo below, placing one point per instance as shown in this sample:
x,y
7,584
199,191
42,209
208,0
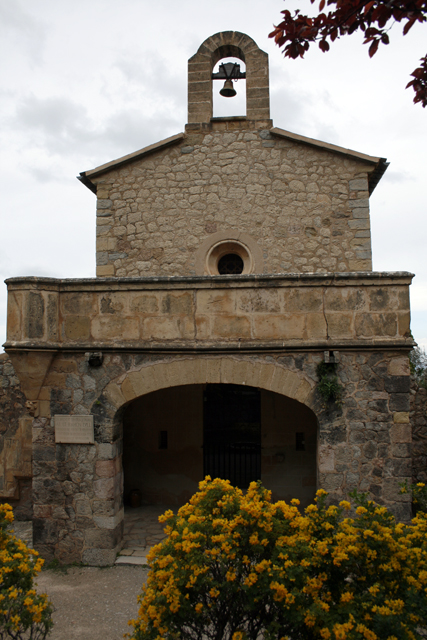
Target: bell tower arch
x,y
228,44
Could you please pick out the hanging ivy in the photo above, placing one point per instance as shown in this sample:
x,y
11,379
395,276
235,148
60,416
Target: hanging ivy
x,y
328,386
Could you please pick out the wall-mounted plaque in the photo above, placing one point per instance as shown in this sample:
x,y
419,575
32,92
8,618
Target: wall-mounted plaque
x,y
74,429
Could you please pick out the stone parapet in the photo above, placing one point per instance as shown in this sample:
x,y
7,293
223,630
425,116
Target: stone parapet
x,y
224,312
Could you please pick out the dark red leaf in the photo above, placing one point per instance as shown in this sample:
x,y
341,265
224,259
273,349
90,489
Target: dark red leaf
x,y
324,46
368,7
344,17
373,48
408,25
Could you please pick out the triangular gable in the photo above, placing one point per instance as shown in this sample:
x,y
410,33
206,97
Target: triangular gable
x,y
379,164
86,176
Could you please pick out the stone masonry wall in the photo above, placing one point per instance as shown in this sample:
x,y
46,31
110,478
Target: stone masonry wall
x,y
306,310
15,442
306,208
419,432
365,444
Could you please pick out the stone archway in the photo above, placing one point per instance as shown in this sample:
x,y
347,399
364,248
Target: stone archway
x,y
205,370
151,389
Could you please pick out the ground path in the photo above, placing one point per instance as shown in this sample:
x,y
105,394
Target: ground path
x,y
92,603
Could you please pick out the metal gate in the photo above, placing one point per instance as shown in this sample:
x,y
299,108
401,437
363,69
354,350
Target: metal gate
x,y
232,433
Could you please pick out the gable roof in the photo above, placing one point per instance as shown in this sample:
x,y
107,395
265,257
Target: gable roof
x,y
86,176
374,176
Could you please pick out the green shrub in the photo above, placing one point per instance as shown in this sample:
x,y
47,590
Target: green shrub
x,y
24,615
328,384
236,566
418,365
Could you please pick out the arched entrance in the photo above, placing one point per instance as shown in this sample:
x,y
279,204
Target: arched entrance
x,y
167,432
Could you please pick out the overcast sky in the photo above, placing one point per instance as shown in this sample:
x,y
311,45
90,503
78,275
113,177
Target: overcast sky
x,y
88,81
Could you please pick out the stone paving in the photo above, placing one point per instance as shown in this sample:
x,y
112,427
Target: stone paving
x,y
142,530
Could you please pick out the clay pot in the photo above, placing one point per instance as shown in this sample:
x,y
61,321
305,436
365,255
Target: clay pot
x,y
135,498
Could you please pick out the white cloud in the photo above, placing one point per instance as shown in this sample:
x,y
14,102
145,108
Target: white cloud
x,y
18,28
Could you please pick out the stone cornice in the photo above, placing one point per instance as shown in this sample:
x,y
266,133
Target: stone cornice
x,y
354,278
239,347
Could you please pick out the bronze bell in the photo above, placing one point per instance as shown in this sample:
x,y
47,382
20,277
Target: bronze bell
x,y
228,91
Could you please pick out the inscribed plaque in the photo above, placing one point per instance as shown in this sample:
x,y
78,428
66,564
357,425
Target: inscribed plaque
x,y
74,429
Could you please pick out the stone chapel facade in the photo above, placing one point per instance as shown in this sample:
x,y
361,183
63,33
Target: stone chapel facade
x,y
165,334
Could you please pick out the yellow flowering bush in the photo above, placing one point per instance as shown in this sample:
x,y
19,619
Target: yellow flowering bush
x,y
24,615
418,492
235,566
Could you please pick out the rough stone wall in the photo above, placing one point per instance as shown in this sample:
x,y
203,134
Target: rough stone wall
x,y
369,449
419,432
306,208
77,489
15,442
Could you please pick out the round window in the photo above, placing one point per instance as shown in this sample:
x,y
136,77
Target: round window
x,y
230,263
229,258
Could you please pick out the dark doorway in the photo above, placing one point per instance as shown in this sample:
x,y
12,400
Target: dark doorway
x,y
232,433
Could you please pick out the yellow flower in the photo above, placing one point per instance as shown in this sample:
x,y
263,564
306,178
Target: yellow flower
x,y
311,508
321,492
340,630
251,579
369,635
254,538
346,596
15,621
309,620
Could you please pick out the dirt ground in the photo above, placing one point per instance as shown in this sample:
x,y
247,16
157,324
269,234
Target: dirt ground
x,y
92,603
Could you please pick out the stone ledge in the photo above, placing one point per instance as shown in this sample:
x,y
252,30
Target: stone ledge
x,y
285,279
216,346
